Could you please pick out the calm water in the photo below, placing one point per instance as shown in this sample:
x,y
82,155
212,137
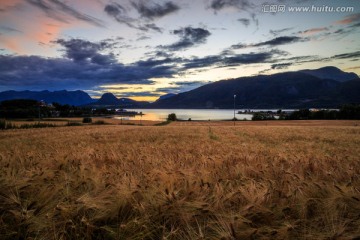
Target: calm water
x,y
185,114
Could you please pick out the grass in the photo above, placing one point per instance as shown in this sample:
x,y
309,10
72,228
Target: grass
x,y
180,182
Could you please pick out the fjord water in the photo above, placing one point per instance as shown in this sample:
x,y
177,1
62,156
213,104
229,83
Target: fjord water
x,y
185,114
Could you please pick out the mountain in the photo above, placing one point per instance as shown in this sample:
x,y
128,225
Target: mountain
x,y
107,99
63,97
282,90
331,73
169,95
110,100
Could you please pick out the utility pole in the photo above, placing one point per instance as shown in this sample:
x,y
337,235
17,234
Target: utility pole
x,y
234,108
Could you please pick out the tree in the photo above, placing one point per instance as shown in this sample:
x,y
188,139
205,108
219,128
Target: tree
x,y
172,117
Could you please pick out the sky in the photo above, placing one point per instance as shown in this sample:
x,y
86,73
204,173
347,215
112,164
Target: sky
x,y
143,49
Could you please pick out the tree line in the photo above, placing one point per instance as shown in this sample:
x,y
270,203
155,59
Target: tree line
x,y
345,112
25,108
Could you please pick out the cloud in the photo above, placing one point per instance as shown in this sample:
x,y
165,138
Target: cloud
x,y
313,31
119,13
347,55
114,9
229,61
188,83
353,68
151,26
280,31
85,65
54,74
244,21
281,65
218,5
279,41
154,10
59,10
169,89
158,62
80,50
273,42
353,18
189,37
355,25
140,94
9,29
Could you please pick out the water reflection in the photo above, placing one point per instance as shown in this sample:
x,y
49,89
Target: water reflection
x,y
185,114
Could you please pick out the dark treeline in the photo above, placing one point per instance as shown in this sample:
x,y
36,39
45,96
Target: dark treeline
x,y
346,112
24,108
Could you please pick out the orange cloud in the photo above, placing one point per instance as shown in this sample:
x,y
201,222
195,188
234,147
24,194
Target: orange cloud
x,y
349,19
313,31
10,44
35,27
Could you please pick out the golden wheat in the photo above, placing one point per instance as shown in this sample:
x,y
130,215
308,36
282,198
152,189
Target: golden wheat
x,y
180,182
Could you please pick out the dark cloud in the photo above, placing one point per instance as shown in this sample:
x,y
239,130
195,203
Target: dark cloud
x,y
114,9
244,21
279,41
141,38
355,25
169,89
155,10
247,58
80,50
42,73
255,20
229,61
188,83
158,62
273,42
189,37
57,9
281,65
119,13
239,4
240,46
280,31
151,26
347,55
85,66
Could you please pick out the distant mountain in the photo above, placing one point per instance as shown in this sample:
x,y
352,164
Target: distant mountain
x,y
324,87
107,99
63,97
110,100
282,90
331,73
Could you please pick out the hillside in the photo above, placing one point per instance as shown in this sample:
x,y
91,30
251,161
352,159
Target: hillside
x,y
75,98
283,90
110,100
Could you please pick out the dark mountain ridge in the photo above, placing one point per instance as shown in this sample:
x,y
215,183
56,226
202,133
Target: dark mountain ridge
x,y
331,73
75,98
282,90
327,87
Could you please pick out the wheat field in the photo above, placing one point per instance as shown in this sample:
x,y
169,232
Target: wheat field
x,y
181,182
